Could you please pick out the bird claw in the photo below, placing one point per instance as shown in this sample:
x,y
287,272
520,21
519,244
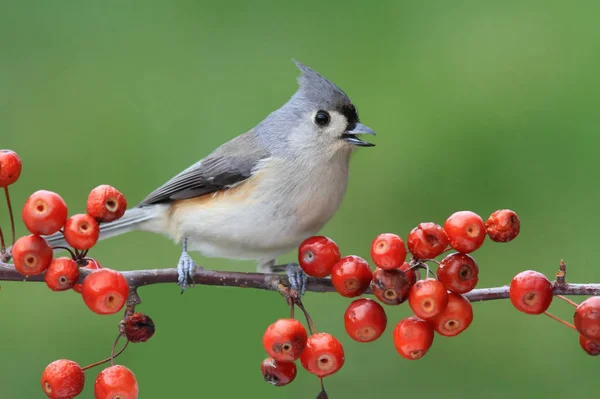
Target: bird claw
x,y
297,278
185,271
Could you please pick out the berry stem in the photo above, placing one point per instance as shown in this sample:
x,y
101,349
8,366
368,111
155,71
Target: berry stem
x,y
109,359
112,352
323,393
68,250
311,325
12,217
567,300
560,320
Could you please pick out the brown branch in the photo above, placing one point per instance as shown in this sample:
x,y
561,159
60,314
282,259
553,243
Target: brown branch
x,y
140,278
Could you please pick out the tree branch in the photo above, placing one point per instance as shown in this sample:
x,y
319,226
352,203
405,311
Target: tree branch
x,y
140,278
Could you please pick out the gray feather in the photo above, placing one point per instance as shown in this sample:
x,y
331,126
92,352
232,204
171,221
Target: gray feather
x,y
231,163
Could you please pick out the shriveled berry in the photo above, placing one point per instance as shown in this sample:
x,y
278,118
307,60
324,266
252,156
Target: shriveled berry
x,y
31,255
81,231
413,337
106,204
409,272
317,256
278,373
323,355
105,291
91,264
456,318
63,379
465,230
428,298
10,167
44,212
531,292
587,318
592,348
503,225
351,276
139,327
116,382
388,251
458,272
62,274
427,240
391,287
285,340
365,320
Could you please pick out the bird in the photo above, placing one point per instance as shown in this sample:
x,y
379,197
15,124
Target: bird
x,y
260,194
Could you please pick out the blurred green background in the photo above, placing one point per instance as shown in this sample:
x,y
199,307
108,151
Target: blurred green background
x,y
478,105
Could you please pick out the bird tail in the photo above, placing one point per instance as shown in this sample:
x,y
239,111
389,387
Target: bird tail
x,y
128,222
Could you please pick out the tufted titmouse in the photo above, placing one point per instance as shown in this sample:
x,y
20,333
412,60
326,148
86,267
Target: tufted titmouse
x,y
259,195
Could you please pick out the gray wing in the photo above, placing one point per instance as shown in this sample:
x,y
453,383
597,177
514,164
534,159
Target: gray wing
x,y
231,163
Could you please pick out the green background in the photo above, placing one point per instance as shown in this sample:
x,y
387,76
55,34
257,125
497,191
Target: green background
x,y
478,105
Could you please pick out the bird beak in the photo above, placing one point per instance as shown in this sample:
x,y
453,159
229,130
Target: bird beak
x,y
350,136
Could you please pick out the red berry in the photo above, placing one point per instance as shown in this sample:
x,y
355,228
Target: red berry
x,y
458,272
427,240
409,272
531,292
428,298
351,276
413,337
591,347
456,318
62,274
91,264
465,230
391,287
317,256
116,382
388,251
323,356
503,225
31,255
587,318
278,373
10,167
105,291
81,231
105,204
44,212
285,340
63,379
365,320
139,327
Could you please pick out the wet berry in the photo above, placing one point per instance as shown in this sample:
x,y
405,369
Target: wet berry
x,y
10,167
44,212
531,292
503,225
587,318
105,291
116,382
63,379
456,318
62,274
278,373
285,340
317,256
427,240
458,272
323,356
388,251
351,276
465,230
365,320
81,231
413,337
391,287
428,298
105,204
32,255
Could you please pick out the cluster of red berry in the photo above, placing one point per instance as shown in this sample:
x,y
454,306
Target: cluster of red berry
x,y
104,291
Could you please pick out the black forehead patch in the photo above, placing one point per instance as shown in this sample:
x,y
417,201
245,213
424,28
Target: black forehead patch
x,y
349,111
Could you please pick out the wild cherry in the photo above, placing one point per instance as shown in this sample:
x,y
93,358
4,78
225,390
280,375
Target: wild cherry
x,y
388,251
323,355
62,274
458,272
31,255
63,379
531,292
427,240
44,212
351,276
81,231
116,382
278,373
428,298
105,291
317,256
465,230
285,340
105,204
587,318
456,318
10,167
503,225
365,320
413,337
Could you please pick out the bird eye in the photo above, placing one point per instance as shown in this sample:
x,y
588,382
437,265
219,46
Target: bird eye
x,y
322,118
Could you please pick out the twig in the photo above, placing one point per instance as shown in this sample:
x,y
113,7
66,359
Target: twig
x,y
141,278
